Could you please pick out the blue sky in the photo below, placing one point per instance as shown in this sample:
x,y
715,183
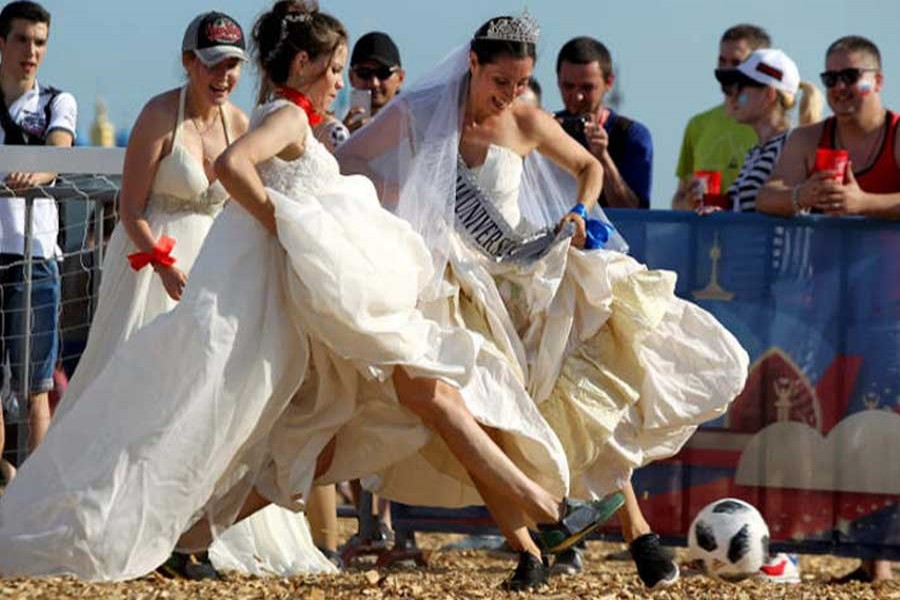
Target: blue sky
x,y
126,50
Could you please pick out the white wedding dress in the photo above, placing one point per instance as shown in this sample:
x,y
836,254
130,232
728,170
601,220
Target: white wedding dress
x,y
183,205
621,368
278,345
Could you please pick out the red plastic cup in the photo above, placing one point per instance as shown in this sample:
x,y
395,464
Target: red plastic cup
x,y
832,161
711,188
710,181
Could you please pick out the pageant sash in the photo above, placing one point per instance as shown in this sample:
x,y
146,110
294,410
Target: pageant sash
x,y
483,226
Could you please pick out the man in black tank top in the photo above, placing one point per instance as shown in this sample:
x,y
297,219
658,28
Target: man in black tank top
x,y
870,184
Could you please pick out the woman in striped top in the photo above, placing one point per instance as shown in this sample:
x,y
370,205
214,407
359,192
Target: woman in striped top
x,y
759,93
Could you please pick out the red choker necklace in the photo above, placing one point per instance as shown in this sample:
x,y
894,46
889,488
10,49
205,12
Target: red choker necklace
x,y
301,100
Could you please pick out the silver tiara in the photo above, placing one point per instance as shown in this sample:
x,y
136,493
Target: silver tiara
x,y
310,6
514,29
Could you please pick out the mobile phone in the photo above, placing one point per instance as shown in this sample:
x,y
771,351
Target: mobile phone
x,y
574,126
361,99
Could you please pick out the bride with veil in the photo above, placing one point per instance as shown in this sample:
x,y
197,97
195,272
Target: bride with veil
x,y
622,369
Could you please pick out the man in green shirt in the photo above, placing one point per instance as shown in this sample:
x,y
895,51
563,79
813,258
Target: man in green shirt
x,y
713,141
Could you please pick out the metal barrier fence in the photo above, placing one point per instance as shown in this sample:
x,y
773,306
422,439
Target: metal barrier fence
x,y
85,196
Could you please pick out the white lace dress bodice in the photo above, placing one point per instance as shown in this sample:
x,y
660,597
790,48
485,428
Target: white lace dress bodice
x,y
314,172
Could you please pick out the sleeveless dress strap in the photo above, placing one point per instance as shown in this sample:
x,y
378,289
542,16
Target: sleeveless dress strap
x,y
176,137
222,112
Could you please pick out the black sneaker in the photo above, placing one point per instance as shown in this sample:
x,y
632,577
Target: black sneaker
x,y
655,566
333,557
568,562
530,573
580,520
195,567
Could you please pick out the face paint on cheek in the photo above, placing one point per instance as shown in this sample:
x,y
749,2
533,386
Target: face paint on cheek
x,y
743,99
864,88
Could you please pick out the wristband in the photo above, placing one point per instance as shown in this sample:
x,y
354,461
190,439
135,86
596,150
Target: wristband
x,y
161,254
597,232
579,210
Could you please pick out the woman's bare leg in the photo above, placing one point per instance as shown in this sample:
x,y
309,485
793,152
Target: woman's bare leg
x,y
510,520
321,511
441,407
200,534
631,518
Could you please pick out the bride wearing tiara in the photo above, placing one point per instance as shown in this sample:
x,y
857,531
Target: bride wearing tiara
x,y
622,369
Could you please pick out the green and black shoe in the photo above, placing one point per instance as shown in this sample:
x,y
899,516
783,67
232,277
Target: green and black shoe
x,y
580,520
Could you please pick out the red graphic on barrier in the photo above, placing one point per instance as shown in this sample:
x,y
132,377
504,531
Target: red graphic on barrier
x,y
777,391
774,378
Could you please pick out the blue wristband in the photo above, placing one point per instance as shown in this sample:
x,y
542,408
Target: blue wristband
x,y
598,232
579,210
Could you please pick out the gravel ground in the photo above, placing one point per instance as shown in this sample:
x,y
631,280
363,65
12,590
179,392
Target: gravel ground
x,y
457,575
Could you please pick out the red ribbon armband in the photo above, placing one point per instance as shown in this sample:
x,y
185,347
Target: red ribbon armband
x,y
160,255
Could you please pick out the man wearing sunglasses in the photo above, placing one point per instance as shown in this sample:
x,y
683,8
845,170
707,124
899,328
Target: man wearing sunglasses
x,y
870,185
374,66
713,141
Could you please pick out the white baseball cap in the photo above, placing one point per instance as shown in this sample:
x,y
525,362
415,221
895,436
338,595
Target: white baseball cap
x,y
767,66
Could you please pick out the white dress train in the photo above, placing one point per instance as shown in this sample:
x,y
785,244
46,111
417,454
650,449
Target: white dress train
x,y
272,542
182,205
278,345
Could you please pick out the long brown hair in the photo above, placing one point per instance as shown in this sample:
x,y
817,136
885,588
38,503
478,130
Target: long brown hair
x,y
288,28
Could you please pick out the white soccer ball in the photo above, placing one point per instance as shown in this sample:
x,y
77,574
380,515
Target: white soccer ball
x,y
730,538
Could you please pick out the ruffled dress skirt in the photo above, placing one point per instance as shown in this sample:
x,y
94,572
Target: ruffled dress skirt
x,y
622,369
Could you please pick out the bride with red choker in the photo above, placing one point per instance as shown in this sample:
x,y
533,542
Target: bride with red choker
x,y
297,355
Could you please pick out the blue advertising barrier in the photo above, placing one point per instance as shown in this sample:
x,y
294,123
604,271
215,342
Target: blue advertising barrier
x,y
814,439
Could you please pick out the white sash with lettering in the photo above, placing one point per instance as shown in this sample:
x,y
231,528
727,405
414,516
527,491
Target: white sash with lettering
x,y
483,226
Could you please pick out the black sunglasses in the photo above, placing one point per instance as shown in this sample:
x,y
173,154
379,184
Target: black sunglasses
x,y
848,76
367,73
735,87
